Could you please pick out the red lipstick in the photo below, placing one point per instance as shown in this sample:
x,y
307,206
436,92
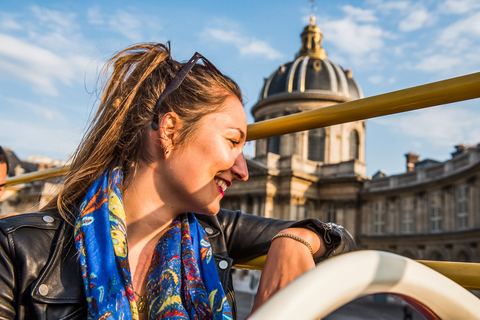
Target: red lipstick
x,y
221,191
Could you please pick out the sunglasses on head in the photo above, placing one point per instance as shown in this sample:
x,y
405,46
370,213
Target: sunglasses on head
x,y
177,81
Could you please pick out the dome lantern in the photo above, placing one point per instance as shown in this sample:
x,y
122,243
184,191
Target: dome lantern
x,y
312,41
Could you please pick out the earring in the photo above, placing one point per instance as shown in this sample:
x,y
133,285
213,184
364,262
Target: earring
x,y
167,151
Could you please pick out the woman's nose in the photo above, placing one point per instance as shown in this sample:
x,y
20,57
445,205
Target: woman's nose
x,y
240,170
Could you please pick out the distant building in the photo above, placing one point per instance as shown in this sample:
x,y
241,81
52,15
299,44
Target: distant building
x,y
430,212
317,173
32,195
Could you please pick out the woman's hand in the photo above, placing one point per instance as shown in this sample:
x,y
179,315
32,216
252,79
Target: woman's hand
x,y
286,260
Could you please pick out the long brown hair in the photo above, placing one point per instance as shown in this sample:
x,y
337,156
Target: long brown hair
x,y
120,128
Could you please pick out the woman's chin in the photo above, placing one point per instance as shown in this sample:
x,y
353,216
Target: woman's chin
x,y
211,210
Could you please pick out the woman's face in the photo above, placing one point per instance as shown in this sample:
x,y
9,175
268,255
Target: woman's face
x,y
3,177
202,168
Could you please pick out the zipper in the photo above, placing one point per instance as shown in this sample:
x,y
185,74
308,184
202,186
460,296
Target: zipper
x,y
231,299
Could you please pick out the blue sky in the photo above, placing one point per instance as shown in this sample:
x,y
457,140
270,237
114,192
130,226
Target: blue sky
x,y
52,51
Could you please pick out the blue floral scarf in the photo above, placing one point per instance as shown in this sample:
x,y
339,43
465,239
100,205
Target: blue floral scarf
x,y
182,280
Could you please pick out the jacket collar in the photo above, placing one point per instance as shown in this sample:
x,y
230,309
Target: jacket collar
x,y
60,280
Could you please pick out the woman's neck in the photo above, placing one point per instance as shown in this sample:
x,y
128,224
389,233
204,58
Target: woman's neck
x,y
147,218
147,212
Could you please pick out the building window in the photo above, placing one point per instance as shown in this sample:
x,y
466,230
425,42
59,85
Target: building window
x,y
461,207
462,256
354,144
407,215
378,218
273,145
436,219
310,209
408,254
316,144
331,213
437,256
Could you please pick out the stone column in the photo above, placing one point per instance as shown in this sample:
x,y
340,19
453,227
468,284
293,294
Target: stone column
x,y
262,206
255,210
243,204
293,212
449,212
473,204
269,206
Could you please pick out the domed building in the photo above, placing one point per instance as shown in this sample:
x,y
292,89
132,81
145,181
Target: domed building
x,y
316,173
310,82
432,211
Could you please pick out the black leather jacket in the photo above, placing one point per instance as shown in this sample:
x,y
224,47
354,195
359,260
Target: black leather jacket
x,y
40,274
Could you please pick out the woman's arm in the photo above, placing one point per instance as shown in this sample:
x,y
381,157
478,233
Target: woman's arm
x,y
286,260
249,236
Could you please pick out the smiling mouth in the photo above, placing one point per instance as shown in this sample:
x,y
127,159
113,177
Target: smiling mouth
x,y
222,185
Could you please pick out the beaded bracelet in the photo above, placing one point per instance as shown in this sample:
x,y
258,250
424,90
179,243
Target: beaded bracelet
x,y
294,237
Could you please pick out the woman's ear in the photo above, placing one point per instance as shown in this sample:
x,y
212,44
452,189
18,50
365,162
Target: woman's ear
x,y
168,131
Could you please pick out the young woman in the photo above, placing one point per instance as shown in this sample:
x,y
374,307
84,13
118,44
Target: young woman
x,y
3,170
137,231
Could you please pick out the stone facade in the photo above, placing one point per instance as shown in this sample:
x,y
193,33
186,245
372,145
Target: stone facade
x,y
432,211
317,173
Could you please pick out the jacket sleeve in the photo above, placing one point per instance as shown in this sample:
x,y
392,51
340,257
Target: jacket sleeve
x,y
248,236
7,276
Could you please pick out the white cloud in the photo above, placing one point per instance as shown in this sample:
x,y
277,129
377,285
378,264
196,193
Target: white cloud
x,y
455,50
458,6
39,138
353,38
387,7
442,126
56,19
127,24
359,14
94,16
7,21
248,46
404,49
38,66
464,28
416,20
376,79
438,63
40,112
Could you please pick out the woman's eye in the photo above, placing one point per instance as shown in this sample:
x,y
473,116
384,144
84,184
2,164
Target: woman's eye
x,y
234,142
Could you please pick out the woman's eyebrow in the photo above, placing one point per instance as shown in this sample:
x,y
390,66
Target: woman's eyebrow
x,y
242,134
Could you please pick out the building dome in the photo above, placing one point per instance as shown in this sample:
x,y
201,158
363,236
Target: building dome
x,y
311,73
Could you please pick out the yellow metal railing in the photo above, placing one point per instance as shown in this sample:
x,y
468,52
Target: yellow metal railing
x,y
424,96
38,175
464,273
428,95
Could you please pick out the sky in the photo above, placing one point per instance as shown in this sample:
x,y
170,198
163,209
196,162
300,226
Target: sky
x,y
52,52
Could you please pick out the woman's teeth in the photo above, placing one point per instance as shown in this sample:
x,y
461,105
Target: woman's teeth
x,y
222,184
